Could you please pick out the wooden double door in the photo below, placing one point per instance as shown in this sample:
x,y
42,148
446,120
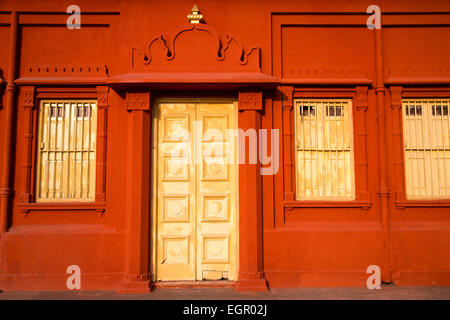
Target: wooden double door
x,y
195,233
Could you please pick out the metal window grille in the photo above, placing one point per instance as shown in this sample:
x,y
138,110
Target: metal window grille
x,y
66,155
324,150
426,137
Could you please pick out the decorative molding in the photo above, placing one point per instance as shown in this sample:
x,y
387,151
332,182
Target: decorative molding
x,y
363,204
138,101
328,72
396,97
66,70
143,57
63,74
250,100
418,74
27,208
422,71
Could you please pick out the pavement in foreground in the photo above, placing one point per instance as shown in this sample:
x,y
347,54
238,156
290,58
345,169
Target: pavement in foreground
x,y
387,292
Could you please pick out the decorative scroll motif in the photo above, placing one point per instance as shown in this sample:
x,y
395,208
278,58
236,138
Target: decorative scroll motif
x,y
144,57
138,101
66,70
250,100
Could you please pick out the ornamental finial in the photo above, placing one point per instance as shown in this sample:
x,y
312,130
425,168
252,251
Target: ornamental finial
x,y
195,16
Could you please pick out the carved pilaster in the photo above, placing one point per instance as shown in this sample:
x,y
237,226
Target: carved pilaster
x,y
288,150
251,275
102,135
28,105
397,129
361,105
137,254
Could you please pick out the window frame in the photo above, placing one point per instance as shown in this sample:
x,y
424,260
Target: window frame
x,y
359,102
398,93
39,136
351,145
27,201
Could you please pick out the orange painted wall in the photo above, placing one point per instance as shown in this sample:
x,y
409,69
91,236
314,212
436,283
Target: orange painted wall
x,y
307,50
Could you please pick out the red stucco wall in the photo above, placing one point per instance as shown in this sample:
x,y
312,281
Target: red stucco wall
x,y
310,53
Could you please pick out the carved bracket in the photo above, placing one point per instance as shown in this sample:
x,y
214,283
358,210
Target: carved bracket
x,y
396,95
138,101
287,96
361,98
102,96
250,100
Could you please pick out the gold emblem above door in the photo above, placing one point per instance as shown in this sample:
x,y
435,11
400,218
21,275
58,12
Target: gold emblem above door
x,y
195,234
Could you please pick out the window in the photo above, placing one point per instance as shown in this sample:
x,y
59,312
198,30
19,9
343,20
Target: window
x,y
66,154
426,138
324,150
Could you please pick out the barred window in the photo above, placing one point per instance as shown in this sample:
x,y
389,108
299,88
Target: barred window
x,y
66,153
426,137
324,149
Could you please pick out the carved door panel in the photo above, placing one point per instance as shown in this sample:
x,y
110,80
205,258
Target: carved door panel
x,y
195,177
216,193
176,189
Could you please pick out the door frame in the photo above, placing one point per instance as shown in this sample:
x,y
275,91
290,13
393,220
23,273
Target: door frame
x,y
153,175
137,235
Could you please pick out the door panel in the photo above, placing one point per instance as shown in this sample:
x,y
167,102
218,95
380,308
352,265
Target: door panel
x,y
175,185
216,193
196,233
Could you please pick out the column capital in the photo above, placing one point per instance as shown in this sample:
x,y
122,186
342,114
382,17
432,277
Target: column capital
x,y
250,100
138,100
361,98
287,93
102,96
396,96
28,96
